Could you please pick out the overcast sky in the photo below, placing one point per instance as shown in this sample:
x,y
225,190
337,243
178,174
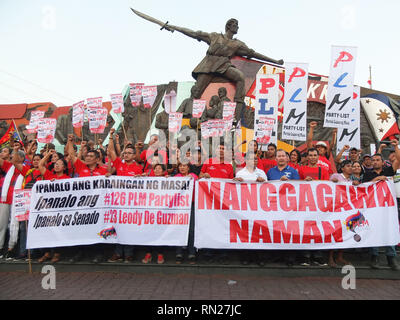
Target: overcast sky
x,y
65,51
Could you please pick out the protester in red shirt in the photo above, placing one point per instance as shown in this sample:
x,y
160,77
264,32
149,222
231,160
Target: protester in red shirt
x,y
146,155
31,174
12,180
312,171
88,168
59,172
184,171
217,167
270,160
129,167
60,168
160,170
295,159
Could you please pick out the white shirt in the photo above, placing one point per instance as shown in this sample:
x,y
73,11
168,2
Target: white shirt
x,y
251,176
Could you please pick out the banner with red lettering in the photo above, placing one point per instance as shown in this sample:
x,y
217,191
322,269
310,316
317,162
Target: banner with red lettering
x,y
175,122
149,94
46,130
294,125
198,107
21,204
33,125
295,215
78,114
133,211
117,103
266,108
340,87
135,93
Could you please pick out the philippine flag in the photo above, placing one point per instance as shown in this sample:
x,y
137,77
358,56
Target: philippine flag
x,y
377,108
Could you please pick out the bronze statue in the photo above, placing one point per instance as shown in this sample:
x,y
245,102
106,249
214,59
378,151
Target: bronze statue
x,y
162,121
216,63
213,110
186,106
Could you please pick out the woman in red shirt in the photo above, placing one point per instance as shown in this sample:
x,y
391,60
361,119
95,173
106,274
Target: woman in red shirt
x,y
159,171
295,159
60,168
184,171
59,172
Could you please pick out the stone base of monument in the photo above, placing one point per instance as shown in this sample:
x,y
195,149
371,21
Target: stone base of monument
x,y
274,266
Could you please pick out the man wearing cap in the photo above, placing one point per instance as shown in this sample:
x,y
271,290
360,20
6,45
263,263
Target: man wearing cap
x,y
354,154
367,163
323,161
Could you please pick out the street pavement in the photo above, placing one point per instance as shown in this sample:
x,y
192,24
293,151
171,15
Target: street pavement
x,y
178,287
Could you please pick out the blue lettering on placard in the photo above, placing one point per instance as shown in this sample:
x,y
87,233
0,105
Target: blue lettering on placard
x,y
263,111
337,83
292,99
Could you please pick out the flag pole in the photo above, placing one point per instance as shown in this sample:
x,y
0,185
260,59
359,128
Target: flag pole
x,y
20,138
370,77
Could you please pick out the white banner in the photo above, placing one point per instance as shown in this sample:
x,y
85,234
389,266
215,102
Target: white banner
x,y
170,102
117,103
295,215
46,130
33,125
198,107
21,204
135,93
351,136
175,121
149,94
266,107
83,211
78,114
340,87
294,125
94,103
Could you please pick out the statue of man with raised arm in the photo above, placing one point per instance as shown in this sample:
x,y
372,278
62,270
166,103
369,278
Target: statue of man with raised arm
x,y
222,48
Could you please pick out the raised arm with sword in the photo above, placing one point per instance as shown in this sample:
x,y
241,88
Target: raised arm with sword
x,y
222,48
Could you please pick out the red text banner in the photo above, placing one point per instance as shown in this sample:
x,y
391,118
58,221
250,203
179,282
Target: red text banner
x,y
295,215
125,210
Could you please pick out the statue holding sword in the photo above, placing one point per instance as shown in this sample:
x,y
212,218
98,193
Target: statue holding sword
x,y
216,63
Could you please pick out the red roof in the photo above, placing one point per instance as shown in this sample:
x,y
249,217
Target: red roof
x,y
12,111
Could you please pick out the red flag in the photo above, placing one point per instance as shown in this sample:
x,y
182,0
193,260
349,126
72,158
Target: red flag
x,y
11,132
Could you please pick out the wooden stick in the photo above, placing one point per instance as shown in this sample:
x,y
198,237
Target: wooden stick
x,y
29,251
123,127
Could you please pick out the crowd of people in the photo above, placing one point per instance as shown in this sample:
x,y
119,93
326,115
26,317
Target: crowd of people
x,y
21,168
